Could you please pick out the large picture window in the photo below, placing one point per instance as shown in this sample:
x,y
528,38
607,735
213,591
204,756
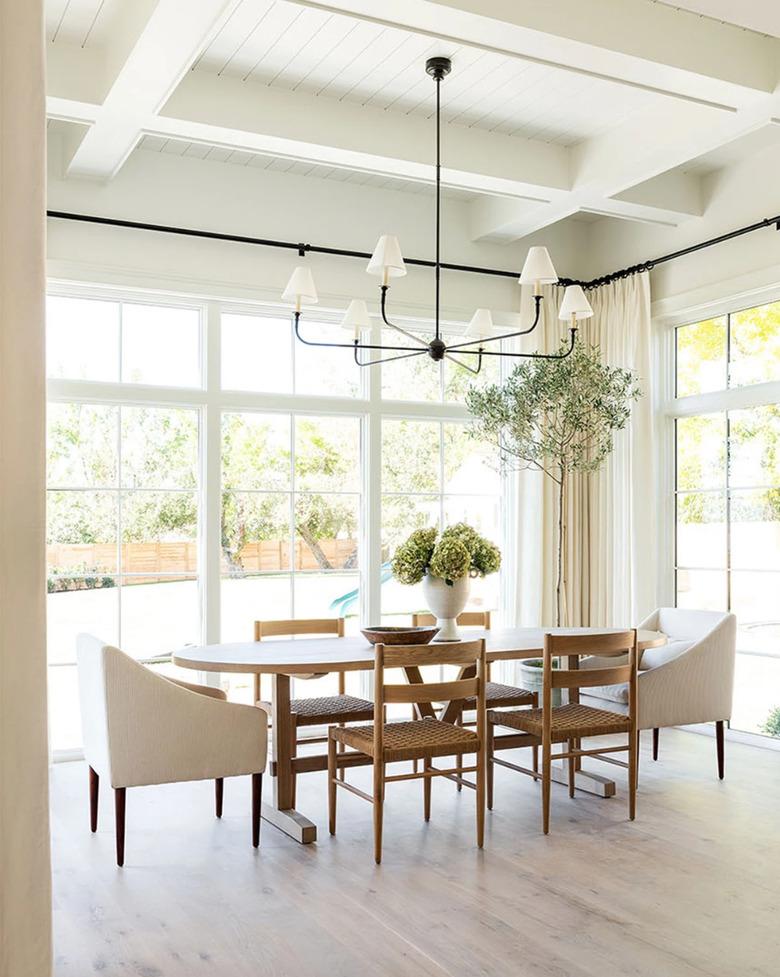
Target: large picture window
x,y
727,492
207,470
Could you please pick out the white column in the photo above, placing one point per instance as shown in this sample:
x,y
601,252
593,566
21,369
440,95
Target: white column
x,y
25,877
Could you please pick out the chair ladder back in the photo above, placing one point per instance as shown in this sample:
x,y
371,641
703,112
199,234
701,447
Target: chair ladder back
x,y
607,645
291,628
462,653
436,653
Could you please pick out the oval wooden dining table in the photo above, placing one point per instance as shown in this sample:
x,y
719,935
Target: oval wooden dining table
x,y
284,659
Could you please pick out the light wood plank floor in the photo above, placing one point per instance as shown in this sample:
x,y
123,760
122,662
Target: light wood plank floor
x,y
692,888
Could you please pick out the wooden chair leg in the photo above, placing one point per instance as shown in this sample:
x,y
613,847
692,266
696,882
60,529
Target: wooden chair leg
x,y
535,749
490,768
257,799
342,771
415,762
459,757
721,747
332,791
427,790
656,735
119,814
219,789
379,776
546,781
572,764
481,776
94,789
633,770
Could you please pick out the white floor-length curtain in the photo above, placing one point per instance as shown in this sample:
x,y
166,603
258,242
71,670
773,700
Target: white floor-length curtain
x,y
25,891
610,514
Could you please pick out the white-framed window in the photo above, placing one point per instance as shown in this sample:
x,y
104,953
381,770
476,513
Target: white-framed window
x,y
726,490
206,469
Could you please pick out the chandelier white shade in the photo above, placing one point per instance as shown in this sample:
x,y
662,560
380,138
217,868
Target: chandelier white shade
x,y
300,288
387,260
538,268
574,306
481,325
356,317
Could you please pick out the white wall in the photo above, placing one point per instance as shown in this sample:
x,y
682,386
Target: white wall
x,y
190,192
740,194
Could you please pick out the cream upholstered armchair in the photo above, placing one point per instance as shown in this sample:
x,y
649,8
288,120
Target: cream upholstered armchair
x,y
141,728
688,680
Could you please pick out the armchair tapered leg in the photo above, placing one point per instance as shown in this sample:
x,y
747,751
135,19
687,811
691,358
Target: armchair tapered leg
x,y
720,743
257,796
219,790
119,814
656,735
332,785
94,788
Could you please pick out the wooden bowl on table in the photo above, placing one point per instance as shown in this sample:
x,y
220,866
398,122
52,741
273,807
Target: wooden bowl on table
x,y
399,635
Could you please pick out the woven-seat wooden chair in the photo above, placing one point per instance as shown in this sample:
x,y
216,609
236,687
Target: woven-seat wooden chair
x,y
572,722
318,710
420,739
497,695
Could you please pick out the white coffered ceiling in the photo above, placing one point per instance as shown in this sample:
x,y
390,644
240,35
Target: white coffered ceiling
x,y
614,108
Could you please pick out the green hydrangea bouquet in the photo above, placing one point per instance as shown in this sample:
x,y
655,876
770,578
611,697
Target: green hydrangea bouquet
x,y
459,552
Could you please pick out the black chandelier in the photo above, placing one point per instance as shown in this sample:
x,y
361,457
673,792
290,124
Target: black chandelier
x,y
387,262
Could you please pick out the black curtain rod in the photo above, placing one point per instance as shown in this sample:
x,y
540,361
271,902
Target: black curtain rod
x,y
649,265
304,249
301,248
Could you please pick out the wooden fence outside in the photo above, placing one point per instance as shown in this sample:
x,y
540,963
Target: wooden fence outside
x,y
181,559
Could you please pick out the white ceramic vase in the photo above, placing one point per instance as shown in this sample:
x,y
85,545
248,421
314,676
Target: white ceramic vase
x,y
445,601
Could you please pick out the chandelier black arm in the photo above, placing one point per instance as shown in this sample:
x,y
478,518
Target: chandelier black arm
x,y
465,366
392,325
311,342
508,335
385,359
538,356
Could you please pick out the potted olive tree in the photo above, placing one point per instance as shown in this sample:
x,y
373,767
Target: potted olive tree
x,y
557,416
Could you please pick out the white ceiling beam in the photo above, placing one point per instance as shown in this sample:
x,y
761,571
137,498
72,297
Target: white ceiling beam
x,y
631,42
301,126
166,47
612,171
669,199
